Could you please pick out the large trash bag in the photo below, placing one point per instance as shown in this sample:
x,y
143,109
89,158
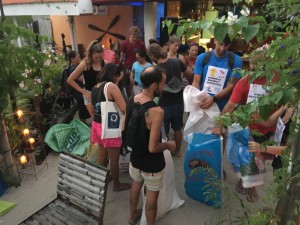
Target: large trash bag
x,y
73,138
168,198
203,169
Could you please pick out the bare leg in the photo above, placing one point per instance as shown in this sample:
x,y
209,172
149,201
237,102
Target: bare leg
x,y
134,200
151,206
178,140
113,154
102,158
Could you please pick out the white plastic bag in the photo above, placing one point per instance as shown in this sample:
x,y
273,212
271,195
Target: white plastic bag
x,y
168,198
124,161
200,120
111,118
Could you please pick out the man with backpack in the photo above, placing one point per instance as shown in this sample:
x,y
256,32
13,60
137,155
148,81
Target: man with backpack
x,y
143,124
214,73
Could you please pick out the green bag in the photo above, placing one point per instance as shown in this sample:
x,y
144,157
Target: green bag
x,y
73,138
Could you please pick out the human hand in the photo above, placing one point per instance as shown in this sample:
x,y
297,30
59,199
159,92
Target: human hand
x,y
86,94
207,102
217,131
171,145
254,147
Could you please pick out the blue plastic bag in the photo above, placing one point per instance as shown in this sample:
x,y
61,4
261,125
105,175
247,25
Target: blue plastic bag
x,y
203,169
244,163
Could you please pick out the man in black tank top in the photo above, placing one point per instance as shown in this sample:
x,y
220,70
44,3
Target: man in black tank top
x,y
143,138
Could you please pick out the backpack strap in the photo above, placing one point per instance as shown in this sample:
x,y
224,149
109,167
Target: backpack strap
x,y
206,58
231,60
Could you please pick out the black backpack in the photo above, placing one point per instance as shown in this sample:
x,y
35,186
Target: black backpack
x,y
134,123
65,89
230,59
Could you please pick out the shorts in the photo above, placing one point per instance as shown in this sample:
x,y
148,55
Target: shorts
x,y
86,100
173,117
153,181
83,113
107,143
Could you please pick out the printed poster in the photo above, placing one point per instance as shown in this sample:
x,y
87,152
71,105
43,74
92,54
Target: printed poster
x,y
255,91
215,80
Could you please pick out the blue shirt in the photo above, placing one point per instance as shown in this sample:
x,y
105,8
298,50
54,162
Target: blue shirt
x,y
138,68
221,62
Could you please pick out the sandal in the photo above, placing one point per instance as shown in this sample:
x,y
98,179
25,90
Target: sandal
x,y
137,218
239,188
122,187
252,194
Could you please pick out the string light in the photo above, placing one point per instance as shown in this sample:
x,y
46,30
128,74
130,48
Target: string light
x,y
23,159
26,132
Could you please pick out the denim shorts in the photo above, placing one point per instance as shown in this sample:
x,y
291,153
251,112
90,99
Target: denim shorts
x,y
153,181
173,117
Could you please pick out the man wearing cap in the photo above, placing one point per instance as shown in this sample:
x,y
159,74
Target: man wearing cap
x,y
171,99
216,76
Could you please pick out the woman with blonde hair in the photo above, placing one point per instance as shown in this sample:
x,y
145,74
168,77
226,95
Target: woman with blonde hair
x,y
90,67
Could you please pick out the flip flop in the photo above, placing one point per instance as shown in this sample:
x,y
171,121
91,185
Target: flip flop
x,y
137,218
122,187
252,195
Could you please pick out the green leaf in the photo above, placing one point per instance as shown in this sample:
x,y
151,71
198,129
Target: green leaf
x,y
179,31
205,25
190,33
220,31
195,25
250,31
221,20
242,21
170,28
276,97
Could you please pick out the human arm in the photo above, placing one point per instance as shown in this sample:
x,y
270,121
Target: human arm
x,y
154,117
229,108
256,147
196,81
207,103
288,114
271,121
114,93
76,74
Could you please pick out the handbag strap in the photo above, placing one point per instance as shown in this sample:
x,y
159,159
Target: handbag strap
x,y
105,90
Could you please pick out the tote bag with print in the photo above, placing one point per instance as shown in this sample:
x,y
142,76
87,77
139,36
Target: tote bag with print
x,y
111,118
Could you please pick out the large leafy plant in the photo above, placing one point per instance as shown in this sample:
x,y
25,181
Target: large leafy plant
x,y
279,25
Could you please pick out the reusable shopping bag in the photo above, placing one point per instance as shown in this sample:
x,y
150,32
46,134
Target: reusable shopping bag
x,y
73,138
111,118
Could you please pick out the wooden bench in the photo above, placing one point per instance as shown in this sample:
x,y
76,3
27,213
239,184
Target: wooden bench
x,y
81,195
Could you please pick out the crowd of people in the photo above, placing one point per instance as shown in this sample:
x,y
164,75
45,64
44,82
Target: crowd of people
x,y
139,77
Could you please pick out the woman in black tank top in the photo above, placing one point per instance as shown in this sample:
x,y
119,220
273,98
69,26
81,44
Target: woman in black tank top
x,y
90,67
108,147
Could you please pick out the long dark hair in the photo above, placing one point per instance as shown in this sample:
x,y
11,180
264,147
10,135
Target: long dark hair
x,y
71,55
108,73
143,54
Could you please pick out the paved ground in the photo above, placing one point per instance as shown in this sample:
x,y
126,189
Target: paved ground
x,y
34,194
